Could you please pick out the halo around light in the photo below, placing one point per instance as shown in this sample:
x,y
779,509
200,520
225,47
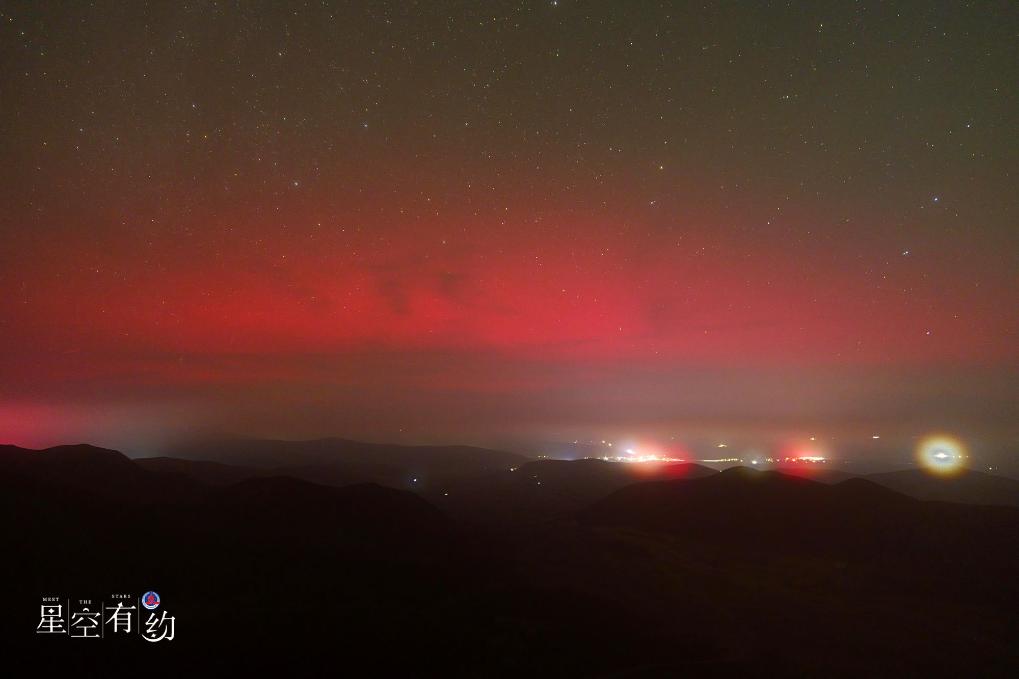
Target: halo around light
x,y
941,454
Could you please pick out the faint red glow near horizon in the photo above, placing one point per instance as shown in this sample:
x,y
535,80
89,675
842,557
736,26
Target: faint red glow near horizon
x,y
382,243
42,426
599,298
498,315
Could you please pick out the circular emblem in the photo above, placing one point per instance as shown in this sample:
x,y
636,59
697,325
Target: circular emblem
x,y
150,600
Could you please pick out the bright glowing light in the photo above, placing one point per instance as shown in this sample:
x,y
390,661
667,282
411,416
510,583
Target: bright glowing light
x,y
646,451
723,445
808,456
643,458
632,457
941,454
803,453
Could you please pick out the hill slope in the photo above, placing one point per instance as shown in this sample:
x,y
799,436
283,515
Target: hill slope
x,y
341,462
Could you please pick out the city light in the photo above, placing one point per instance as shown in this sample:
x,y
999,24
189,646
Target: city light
x,y
807,458
634,458
642,454
941,454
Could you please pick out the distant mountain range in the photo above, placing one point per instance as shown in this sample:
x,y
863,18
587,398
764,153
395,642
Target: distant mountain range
x,y
766,510
469,483
98,471
545,489
968,487
339,461
579,568
112,474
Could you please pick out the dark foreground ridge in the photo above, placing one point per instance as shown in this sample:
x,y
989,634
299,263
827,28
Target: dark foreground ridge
x,y
340,461
695,573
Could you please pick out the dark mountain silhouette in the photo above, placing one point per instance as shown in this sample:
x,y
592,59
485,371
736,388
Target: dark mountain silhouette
x,y
968,486
730,574
767,510
96,470
215,473
72,465
276,572
832,569
341,462
815,473
545,489
363,508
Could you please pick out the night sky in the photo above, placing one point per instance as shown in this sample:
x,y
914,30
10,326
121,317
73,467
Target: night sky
x,y
500,222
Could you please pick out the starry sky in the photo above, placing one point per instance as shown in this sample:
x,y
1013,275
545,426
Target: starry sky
x,y
508,221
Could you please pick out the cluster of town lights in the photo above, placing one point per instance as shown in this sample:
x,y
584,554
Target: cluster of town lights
x,y
938,453
642,458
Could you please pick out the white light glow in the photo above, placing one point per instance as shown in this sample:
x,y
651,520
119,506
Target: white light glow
x,y
941,454
642,458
